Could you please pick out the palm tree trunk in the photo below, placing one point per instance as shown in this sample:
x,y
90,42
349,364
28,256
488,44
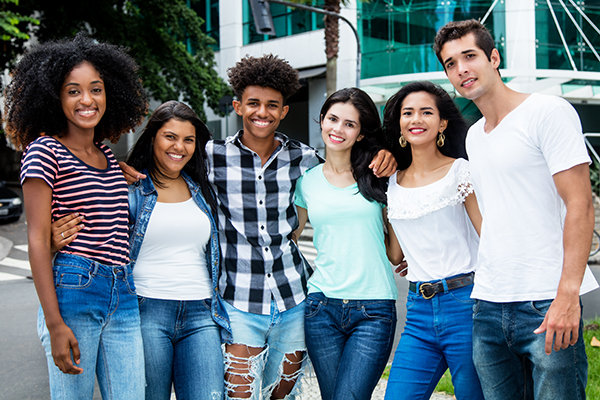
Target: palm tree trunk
x,y
332,37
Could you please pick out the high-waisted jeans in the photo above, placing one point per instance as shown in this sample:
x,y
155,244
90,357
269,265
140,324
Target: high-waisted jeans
x,y
182,346
98,303
349,343
437,336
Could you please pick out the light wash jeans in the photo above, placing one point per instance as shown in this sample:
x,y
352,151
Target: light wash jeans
x,y
99,304
349,343
182,346
511,359
279,333
437,336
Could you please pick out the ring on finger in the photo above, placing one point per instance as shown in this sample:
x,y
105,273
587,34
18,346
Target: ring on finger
x,y
63,235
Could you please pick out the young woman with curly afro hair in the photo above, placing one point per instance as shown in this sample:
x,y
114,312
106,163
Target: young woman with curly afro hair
x,y
64,99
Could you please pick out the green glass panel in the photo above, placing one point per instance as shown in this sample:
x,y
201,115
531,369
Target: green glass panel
x,y
397,35
551,52
208,10
286,20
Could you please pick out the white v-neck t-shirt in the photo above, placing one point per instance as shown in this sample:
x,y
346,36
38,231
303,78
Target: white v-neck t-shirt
x,y
521,246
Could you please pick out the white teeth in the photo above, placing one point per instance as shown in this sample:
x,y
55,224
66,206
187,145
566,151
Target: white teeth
x,y
417,130
86,112
177,156
468,81
261,123
336,138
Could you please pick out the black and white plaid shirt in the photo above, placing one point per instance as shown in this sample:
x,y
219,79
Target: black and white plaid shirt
x,y
256,219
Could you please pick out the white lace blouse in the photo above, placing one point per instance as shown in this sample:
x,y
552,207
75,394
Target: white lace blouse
x,y
432,225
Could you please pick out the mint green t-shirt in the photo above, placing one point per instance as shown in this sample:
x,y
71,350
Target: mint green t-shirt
x,y
351,259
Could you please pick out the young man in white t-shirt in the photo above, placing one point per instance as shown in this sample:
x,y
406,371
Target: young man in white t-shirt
x,y
529,167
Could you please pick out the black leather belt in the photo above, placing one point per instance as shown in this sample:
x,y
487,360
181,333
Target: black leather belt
x,y
429,289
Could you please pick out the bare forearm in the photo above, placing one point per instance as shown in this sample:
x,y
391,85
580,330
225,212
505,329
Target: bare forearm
x,y
577,240
43,278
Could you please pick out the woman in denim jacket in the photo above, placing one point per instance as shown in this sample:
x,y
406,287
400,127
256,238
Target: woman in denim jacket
x,y
175,251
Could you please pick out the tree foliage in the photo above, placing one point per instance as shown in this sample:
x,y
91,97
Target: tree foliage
x,y
10,31
164,36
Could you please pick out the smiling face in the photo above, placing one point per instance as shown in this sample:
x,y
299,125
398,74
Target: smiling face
x,y
83,98
261,109
468,68
420,119
340,127
174,145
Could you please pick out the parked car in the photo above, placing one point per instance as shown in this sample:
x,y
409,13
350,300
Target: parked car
x,y
11,205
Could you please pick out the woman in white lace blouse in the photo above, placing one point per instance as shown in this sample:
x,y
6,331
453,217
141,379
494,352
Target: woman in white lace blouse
x,y
434,222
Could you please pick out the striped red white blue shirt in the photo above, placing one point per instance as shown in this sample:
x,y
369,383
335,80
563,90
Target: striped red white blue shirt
x,y
99,195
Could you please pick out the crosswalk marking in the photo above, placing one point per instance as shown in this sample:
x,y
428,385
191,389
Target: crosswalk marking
x,y
10,277
13,262
22,247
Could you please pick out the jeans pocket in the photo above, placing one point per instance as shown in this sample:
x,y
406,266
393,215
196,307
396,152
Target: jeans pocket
x,y
129,283
312,307
540,307
476,307
462,296
383,310
72,277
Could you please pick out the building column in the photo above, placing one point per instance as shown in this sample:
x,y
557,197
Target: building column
x,y
231,41
520,35
346,62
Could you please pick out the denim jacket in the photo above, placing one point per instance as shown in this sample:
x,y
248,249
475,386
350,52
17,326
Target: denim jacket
x,y
142,199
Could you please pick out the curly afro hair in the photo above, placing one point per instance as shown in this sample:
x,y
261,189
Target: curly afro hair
x,y
266,71
32,99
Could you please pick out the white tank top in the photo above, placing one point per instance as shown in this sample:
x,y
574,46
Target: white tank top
x,y
172,262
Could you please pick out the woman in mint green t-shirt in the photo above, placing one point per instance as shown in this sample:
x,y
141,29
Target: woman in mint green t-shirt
x,y
350,317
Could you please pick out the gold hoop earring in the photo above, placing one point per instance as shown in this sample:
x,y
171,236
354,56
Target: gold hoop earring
x,y
441,139
402,141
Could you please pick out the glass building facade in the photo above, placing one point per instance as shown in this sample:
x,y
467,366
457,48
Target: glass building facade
x,y
551,52
208,10
397,35
287,21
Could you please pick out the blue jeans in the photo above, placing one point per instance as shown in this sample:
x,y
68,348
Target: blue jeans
x,y
99,304
510,358
279,333
349,343
437,336
182,346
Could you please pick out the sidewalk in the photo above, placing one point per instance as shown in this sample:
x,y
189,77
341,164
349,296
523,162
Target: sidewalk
x,y
310,390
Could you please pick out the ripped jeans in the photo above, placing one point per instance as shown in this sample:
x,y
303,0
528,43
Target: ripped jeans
x,y
279,335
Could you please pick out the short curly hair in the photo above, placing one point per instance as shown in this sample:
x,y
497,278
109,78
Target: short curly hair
x,y
266,71
32,104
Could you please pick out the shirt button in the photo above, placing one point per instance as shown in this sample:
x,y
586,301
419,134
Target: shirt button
x,y
266,249
262,227
260,202
268,275
259,177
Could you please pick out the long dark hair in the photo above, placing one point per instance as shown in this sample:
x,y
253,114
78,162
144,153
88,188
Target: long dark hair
x,y
455,132
363,151
142,155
